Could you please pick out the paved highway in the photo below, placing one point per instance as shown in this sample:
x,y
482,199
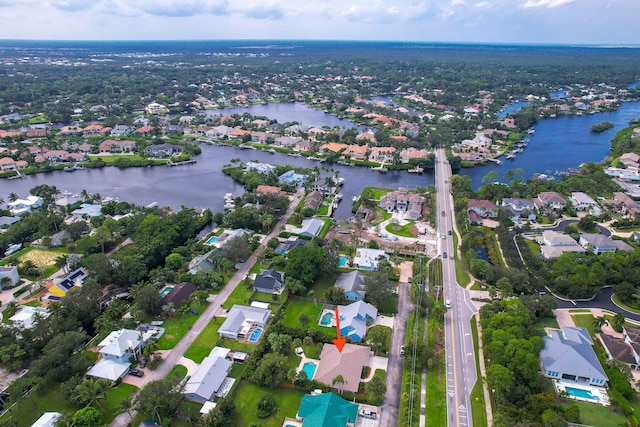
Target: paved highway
x,y
460,359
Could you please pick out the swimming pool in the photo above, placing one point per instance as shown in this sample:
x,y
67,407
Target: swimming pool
x,y
581,393
327,318
342,261
309,369
211,240
165,291
255,336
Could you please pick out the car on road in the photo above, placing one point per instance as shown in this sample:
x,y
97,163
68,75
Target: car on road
x,y
446,181
366,413
450,233
444,254
443,236
447,304
136,373
409,279
402,350
442,213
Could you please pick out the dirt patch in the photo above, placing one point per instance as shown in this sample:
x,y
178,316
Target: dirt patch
x,y
413,230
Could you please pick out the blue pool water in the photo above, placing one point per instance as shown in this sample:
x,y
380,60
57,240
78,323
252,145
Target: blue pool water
x,y
255,335
342,261
584,394
211,240
310,369
165,291
327,318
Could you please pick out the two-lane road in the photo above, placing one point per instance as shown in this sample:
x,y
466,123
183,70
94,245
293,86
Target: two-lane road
x,y
460,360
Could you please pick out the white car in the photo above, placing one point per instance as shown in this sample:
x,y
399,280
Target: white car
x,y
366,413
447,304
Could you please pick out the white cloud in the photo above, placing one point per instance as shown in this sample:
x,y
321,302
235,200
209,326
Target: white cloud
x,y
546,3
457,3
483,4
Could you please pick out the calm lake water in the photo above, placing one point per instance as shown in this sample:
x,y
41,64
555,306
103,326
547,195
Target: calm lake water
x,y
558,144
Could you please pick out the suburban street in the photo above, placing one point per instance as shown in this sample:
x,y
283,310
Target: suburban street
x,y
183,345
389,413
460,360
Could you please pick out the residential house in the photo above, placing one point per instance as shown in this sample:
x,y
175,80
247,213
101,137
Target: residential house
x,y
179,293
120,130
320,185
95,130
56,156
582,202
269,281
261,168
203,263
291,243
86,210
270,189
229,234
292,177
310,227
155,108
554,244
7,164
370,137
38,133
7,221
145,130
22,206
313,200
287,141
112,146
260,137
205,383
333,147
551,199
117,351
304,145
315,132
402,201
411,153
631,161
74,279
27,316
241,321
353,285
599,243
382,154
627,204
60,238
326,410
619,349
164,150
368,259
355,318
218,132
238,134
296,129
519,208
479,209
70,131
568,354
356,152
9,276
348,363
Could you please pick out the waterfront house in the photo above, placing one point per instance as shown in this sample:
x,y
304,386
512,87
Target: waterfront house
x,y
270,189
117,351
261,168
9,276
326,410
7,164
355,318
313,200
23,206
320,185
215,132
229,234
86,210
353,285
238,134
348,363
411,153
292,177
356,152
241,321
112,146
269,281
382,154
568,354
333,147
287,141
164,150
403,202
599,243
582,201
551,199
368,259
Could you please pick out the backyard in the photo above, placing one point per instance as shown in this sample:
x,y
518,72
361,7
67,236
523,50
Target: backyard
x,y
287,401
176,327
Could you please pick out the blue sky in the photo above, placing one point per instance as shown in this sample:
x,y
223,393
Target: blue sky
x,y
499,21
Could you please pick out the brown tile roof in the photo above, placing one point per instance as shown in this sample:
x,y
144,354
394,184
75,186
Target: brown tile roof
x,y
348,363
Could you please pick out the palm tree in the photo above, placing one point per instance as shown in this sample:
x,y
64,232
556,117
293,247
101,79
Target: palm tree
x,y
13,197
338,380
61,263
598,323
126,405
91,391
307,341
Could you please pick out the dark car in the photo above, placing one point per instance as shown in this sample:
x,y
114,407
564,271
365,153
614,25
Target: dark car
x,y
142,363
136,373
450,233
444,254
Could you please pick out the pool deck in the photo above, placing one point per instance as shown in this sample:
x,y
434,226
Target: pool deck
x,y
601,392
333,318
304,359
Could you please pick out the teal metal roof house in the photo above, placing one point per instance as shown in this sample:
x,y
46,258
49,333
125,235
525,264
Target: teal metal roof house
x,y
327,410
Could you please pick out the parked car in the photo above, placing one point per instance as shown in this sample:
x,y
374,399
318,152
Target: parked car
x,y
142,363
136,373
366,413
402,350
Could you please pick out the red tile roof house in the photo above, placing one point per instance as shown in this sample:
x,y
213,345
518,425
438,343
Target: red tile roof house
x,y
70,131
371,137
332,146
482,209
38,133
93,130
144,130
57,155
413,153
111,146
270,189
348,364
7,164
238,134
357,152
382,154
85,148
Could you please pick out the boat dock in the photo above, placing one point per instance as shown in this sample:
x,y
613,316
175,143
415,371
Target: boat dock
x,y
185,162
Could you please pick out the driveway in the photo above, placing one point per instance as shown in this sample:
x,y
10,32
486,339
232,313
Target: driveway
x,y
376,362
384,321
406,271
191,366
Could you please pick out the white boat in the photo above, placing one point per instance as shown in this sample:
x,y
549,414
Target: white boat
x,y
229,206
339,196
355,198
12,249
228,196
340,181
272,151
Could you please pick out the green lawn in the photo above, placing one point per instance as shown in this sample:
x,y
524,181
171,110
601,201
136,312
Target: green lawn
x,y
377,192
322,284
325,228
114,397
436,404
175,328
249,394
323,210
387,341
533,246
401,230
240,295
179,370
584,321
596,415
462,277
547,322
207,339
112,158
296,307
478,406
625,306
